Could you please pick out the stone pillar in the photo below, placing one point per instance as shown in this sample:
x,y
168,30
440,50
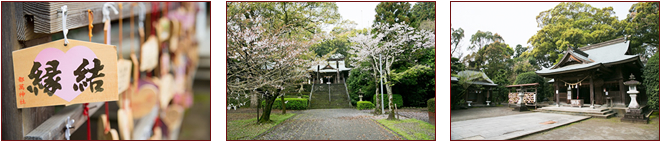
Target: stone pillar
x,y
521,105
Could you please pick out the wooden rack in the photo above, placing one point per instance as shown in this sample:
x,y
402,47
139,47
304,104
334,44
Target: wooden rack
x,y
26,24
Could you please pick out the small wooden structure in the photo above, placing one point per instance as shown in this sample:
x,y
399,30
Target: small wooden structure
x,y
529,91
474,95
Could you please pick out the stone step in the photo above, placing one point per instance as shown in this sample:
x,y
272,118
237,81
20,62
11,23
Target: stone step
x,y
582,112
603,116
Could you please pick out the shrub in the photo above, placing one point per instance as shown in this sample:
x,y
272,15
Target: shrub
x,y
651,81
293,104
431,104
416,84
532,77
396,99
365,105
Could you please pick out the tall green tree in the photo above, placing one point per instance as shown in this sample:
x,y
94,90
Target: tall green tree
x,y
456,66
479,42
572,24
519,50
423,11
642,26
481,38
456,38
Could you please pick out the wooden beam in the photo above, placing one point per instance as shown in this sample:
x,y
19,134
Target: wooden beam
x,y
25,25
11,116
53,128
48,20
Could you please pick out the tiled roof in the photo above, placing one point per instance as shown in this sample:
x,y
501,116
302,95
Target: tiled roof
x,y
606,53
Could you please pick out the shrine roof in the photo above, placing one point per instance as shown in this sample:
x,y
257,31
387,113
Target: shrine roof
x,y
599,55
332,64
480,79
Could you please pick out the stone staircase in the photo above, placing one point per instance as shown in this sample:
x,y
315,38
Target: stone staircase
x,y
329,96
584,111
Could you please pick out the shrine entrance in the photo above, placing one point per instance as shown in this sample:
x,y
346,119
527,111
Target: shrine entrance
x,y
582,92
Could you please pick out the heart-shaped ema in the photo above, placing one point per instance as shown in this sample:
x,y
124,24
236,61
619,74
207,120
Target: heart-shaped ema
x,y
66,75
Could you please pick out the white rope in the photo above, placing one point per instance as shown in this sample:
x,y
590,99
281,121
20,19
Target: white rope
x,y
576,83
106,14
64,29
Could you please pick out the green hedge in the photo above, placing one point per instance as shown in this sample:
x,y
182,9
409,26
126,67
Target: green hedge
x,y
365,105
293,104
397,99
431,104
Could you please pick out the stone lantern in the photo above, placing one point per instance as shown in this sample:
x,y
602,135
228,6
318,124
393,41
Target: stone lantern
x,y
521,104
360,92
634,113
632,91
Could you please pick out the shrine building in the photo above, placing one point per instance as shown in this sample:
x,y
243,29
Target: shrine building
x,y
332,71
595,74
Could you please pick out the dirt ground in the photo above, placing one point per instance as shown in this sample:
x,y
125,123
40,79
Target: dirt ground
x,y
600,129
589,129
196,121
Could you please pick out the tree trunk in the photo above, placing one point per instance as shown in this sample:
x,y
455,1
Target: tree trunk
x,y
390,97
377,110
283,104
265,117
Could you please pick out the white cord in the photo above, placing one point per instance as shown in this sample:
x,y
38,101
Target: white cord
x,y
64,29
143,13
106,14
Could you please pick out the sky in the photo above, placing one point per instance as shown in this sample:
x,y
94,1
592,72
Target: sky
x,y
514,21
363,13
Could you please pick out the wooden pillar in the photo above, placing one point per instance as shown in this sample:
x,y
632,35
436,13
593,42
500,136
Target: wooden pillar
x,y
557,90
318,69
622,91
11,116
591,90
337,79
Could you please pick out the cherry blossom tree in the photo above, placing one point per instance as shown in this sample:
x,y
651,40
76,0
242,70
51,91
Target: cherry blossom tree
x,y
389,43
263,60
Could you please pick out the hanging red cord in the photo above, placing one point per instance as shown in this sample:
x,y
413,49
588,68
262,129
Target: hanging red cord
x,y
154,16
86,113
107,114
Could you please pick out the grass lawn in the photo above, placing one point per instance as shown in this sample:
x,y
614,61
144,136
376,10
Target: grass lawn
x,y
248,129
411,129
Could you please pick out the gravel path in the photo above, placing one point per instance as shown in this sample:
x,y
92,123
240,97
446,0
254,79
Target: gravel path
x,y
416,113
601,129
330,124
